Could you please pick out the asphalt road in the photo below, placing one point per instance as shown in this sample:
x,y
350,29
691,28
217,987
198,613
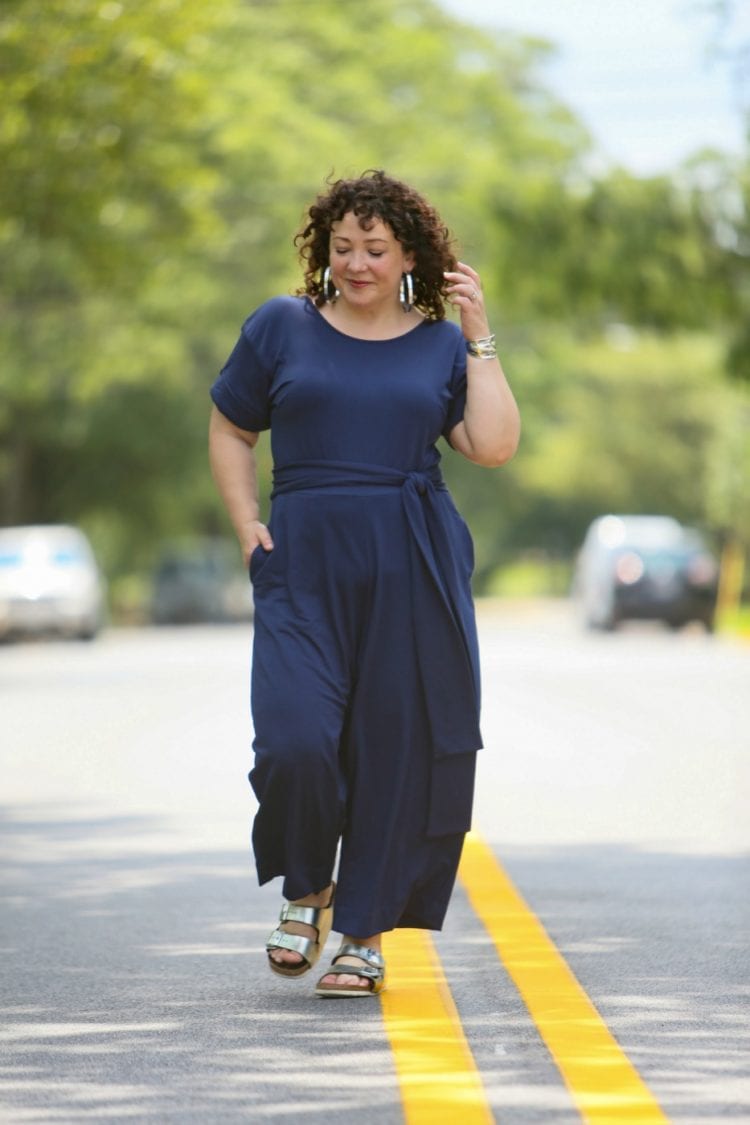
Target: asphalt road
x,y
613,789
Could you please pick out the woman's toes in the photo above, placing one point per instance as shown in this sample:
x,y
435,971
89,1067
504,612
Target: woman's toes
x,y
346,980
282,957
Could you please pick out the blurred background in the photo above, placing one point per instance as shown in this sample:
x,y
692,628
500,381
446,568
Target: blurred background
x,y
156,163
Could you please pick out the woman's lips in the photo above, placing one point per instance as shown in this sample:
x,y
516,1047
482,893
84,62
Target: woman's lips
x,y
358,284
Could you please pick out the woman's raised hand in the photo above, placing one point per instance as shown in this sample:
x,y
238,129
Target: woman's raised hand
x,y
464,292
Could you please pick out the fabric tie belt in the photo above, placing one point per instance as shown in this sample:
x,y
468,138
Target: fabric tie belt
x,y
443,612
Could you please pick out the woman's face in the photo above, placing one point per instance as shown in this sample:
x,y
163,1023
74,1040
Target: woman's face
x,y
366,265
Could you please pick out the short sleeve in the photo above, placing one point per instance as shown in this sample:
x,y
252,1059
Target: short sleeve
x,y
242,390
457,402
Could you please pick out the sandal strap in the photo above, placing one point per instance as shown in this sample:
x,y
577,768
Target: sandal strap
x,y
308,915
371,956
369,973
372,971
294,943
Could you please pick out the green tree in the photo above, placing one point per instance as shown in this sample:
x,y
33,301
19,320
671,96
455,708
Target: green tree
x,y
630,422
98,146
156,163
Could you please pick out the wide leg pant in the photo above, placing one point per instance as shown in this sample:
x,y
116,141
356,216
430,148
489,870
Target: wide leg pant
x,y
343,749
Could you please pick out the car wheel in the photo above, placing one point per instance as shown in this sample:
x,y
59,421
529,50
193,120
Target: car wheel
x,y
89,631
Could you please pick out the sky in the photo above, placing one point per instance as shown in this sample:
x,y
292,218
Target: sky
x,y
640,74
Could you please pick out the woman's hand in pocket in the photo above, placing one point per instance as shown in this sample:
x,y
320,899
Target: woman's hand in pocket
x,y
257,535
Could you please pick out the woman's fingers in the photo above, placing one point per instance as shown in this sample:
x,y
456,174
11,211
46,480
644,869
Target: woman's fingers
x,y
258,536
464,292
464,268
264,536
464,283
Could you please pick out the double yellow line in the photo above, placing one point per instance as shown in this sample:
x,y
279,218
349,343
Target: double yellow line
x,y
436,1070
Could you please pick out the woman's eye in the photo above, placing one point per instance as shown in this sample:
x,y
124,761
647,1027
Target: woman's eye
x,y
376,253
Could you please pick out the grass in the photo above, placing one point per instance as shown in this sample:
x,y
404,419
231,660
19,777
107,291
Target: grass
x,y
530,577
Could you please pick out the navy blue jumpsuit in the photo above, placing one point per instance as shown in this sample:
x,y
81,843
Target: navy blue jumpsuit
x,y
365,679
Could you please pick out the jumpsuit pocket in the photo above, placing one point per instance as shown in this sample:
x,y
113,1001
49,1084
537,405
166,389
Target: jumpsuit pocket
x,y
464,541
259,560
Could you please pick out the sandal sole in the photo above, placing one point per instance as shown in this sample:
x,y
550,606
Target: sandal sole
x,y
345,993
275,967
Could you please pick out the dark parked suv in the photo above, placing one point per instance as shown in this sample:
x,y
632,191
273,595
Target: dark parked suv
x,y
201,582
645,567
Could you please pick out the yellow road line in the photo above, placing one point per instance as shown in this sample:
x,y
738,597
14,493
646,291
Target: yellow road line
x,y
603,1082
436,1070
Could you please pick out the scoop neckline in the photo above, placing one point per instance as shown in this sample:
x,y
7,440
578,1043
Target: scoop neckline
x,y
361,339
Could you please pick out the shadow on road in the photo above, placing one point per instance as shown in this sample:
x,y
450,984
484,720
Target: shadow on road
x,y
134,987
134,984
659,942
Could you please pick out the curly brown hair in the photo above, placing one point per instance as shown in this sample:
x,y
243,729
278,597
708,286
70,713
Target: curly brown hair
x,y
414,222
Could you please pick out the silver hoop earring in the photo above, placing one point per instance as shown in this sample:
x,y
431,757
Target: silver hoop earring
x,y
330,292
406,292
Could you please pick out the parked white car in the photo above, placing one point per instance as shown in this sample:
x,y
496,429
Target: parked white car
x,y
49,582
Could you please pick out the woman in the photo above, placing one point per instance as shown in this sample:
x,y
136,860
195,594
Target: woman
x,y
365,683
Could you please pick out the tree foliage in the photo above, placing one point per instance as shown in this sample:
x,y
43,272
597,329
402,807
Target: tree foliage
x,y
157,160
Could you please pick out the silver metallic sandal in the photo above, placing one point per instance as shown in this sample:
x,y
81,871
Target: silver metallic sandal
x,y
373,971
310,949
